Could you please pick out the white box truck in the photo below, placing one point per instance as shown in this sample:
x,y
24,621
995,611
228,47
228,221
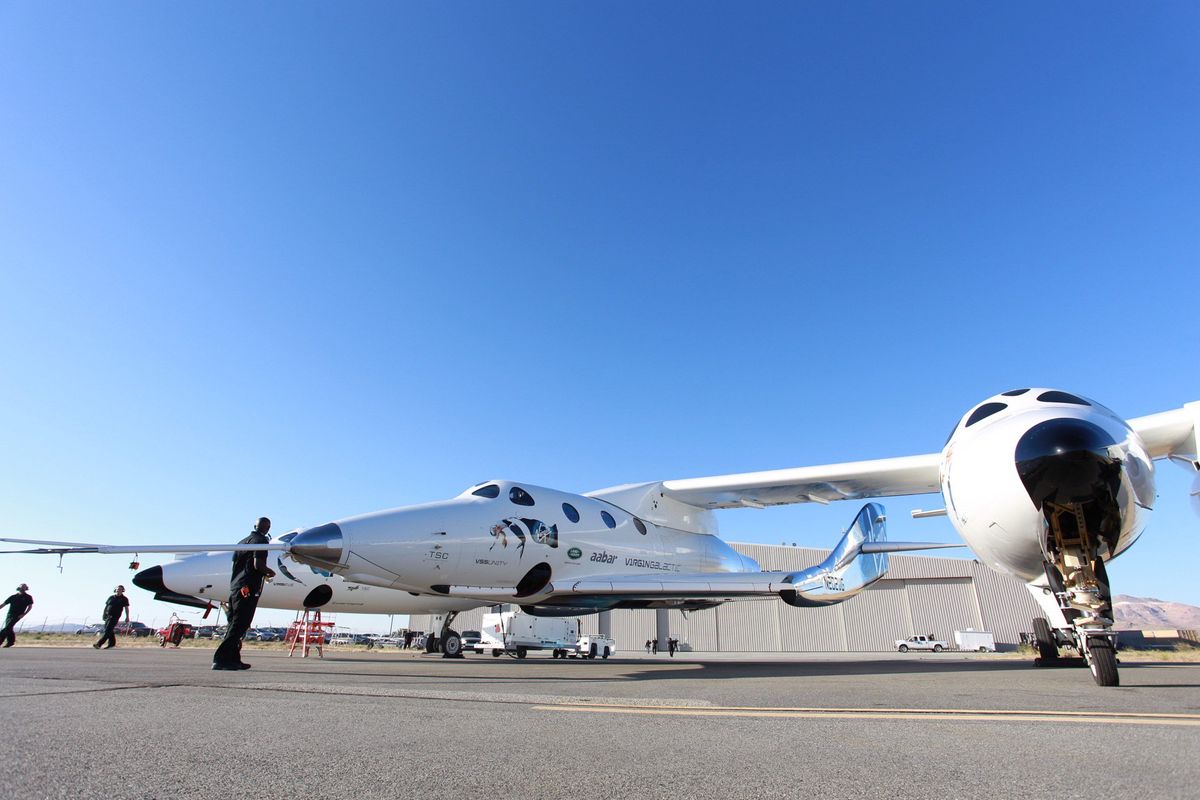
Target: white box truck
x,y
980,641
515,633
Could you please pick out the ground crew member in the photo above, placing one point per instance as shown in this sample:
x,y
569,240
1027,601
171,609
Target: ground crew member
x,y
113,606
245,585
18,606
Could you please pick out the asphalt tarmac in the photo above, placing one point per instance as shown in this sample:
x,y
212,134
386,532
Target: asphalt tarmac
x,y
151,723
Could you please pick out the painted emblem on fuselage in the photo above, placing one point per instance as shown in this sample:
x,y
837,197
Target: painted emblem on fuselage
x,y
574,553
523,529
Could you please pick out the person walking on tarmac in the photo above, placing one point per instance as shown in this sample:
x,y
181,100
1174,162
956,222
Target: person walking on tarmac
x,y
18,606
245,585
113,606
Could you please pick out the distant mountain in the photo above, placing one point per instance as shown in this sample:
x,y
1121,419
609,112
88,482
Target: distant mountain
x,y
1146,613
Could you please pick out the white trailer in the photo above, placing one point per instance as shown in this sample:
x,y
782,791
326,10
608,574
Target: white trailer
x,y
969,639
516,633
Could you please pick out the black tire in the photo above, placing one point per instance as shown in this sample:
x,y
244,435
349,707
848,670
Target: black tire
x,y
937,648
592,651
1103,661
497,653
522,652
431,644
983,649
903,648
1047,647
605,653
452,645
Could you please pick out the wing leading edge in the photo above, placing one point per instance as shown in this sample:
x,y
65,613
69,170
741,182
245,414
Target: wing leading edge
x,y
59,548
854,480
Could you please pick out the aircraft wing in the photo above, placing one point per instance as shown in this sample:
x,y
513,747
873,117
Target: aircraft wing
x,y
87,547
822,484
1168,434
734,584
1171,433
725,584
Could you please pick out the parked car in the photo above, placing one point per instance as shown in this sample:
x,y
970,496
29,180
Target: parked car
x,y
89,630
135,628
204,632
265,635
470,639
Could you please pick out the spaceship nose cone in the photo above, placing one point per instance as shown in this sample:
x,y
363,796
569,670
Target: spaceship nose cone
x,y
321,546
151,579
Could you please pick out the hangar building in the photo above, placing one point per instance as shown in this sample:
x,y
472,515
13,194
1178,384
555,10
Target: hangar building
x,y
919,595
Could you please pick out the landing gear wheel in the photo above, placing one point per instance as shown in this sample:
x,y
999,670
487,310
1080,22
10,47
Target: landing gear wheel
x,y
522,652
1103,661
903,648
1047,647
431,644
452,645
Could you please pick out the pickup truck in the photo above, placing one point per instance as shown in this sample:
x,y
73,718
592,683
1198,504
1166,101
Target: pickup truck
x,y
921,643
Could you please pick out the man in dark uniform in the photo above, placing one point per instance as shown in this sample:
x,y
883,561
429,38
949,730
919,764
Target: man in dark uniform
x,y
245,585
113,606
18,606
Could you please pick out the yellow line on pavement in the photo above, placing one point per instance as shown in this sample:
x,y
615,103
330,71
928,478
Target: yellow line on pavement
x,y
1116,718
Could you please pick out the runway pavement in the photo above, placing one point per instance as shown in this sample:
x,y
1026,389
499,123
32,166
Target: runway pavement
x,y
151,723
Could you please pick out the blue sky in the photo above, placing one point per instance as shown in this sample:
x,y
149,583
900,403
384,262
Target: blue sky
x,y
309,261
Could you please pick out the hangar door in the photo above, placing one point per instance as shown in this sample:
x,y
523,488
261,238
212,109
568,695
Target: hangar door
x,y
942,606
877,617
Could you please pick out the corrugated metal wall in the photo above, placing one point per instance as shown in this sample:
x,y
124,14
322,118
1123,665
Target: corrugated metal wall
x,y
941,607
874,617
811,629
919,595
1005,604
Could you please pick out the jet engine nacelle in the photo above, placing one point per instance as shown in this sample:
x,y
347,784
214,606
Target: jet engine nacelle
x,y
1020,458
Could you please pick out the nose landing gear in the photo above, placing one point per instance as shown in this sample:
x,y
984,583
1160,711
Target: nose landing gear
x,y
1079,581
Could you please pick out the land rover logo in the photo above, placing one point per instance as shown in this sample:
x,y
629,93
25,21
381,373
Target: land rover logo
x,y
574,552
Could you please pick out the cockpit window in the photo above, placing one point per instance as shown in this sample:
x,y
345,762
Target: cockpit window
x,y
608,519
983,412
571,512
1054,396
1014,393
491,490
520,496
641,526
287,537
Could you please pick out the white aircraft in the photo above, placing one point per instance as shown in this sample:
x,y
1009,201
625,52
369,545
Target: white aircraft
x,y
1041,484
201,580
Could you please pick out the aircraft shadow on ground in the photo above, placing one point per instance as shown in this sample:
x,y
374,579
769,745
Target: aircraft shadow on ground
x,y
535,671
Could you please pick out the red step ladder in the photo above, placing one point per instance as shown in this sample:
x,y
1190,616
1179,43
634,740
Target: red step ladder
x,y
308,631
